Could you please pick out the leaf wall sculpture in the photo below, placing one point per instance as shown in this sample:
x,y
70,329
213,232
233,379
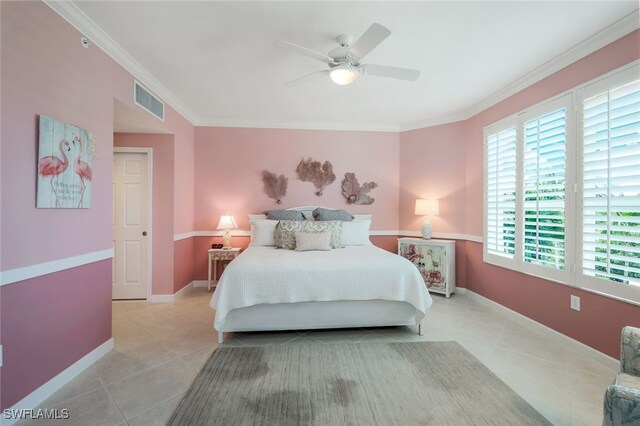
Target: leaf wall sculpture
x,y
356,194
274,186
319,174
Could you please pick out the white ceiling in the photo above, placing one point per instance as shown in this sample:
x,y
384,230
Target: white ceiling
x,y
218,58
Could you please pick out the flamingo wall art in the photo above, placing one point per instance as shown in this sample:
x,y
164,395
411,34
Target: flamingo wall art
x,y
65,158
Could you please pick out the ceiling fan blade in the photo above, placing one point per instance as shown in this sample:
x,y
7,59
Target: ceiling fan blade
x,y
304,51
304,79
392,72
369,40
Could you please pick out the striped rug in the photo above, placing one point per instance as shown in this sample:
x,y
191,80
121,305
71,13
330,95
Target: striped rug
x,y
425,383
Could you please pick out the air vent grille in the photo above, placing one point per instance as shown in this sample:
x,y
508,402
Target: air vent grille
x,y
144,99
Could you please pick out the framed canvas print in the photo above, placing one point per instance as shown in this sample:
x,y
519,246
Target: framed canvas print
x,y
65,159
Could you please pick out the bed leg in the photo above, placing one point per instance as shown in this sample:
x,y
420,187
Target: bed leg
x,y
220,337
420,329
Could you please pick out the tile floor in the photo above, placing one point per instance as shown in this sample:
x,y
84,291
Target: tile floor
x,y
160,348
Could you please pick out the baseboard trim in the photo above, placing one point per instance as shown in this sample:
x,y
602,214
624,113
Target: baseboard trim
x,y
167,298
161,298
201,283
576,346
39,395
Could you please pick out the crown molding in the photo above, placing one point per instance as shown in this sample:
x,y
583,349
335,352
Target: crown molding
x,y
79,20
296,125
431,122
88,28
613,32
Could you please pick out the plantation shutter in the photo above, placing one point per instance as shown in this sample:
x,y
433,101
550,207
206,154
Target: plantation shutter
x,y
501,192
543,196
611,184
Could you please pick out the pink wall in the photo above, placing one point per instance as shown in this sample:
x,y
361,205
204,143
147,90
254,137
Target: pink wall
x,y
228,163
184,177
601,319
162,235
430,168
50,322
183,257
45,70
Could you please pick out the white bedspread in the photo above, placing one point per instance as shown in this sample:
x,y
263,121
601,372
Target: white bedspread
x,y
270,275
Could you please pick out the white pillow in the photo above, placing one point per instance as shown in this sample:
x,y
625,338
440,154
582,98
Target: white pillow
x,y
306,241
356,233
262,231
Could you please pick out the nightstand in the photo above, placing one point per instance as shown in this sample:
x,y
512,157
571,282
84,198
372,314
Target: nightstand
x,y
220,254
436,261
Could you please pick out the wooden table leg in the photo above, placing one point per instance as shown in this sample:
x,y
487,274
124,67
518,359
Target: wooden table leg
x,y
215,272
209,286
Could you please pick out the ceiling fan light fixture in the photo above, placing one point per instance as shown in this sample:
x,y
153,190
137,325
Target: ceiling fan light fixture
x,y
343,75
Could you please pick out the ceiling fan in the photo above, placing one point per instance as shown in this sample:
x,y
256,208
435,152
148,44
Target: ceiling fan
x,y
344,61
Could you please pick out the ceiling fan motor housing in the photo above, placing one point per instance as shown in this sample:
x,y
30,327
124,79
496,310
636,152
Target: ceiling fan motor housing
x,y
341,55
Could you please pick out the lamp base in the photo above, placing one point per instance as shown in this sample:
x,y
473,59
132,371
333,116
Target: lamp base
x,y
427,230
226,240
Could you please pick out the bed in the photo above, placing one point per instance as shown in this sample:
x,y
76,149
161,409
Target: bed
x,y
266,288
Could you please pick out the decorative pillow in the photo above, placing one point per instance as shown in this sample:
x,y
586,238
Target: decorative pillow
x,y
262,232
326,214
284,215
308,215
286,229
306,241
356,233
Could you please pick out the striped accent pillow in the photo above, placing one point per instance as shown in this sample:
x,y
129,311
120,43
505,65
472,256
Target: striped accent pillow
x,y
306,241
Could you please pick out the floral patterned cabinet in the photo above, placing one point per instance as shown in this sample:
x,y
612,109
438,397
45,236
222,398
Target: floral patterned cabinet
x,y
436,261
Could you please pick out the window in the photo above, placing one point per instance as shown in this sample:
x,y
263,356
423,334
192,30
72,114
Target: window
x,y
501,193
526,186
562,190
543,180
611,186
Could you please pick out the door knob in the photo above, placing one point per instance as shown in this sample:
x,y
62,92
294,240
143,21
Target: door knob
x,y
144,233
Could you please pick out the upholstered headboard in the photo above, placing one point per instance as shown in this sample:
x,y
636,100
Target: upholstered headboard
x,y
306,210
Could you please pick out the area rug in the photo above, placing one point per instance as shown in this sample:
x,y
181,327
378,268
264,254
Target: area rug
x,y
425,383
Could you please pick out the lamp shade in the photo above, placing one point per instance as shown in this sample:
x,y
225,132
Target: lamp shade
x,y
427,207
227,222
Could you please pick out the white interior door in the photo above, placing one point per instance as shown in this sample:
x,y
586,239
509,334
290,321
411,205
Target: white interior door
x,y
130,222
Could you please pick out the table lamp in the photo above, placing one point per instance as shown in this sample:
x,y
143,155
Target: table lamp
x,y
227,222
427,208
